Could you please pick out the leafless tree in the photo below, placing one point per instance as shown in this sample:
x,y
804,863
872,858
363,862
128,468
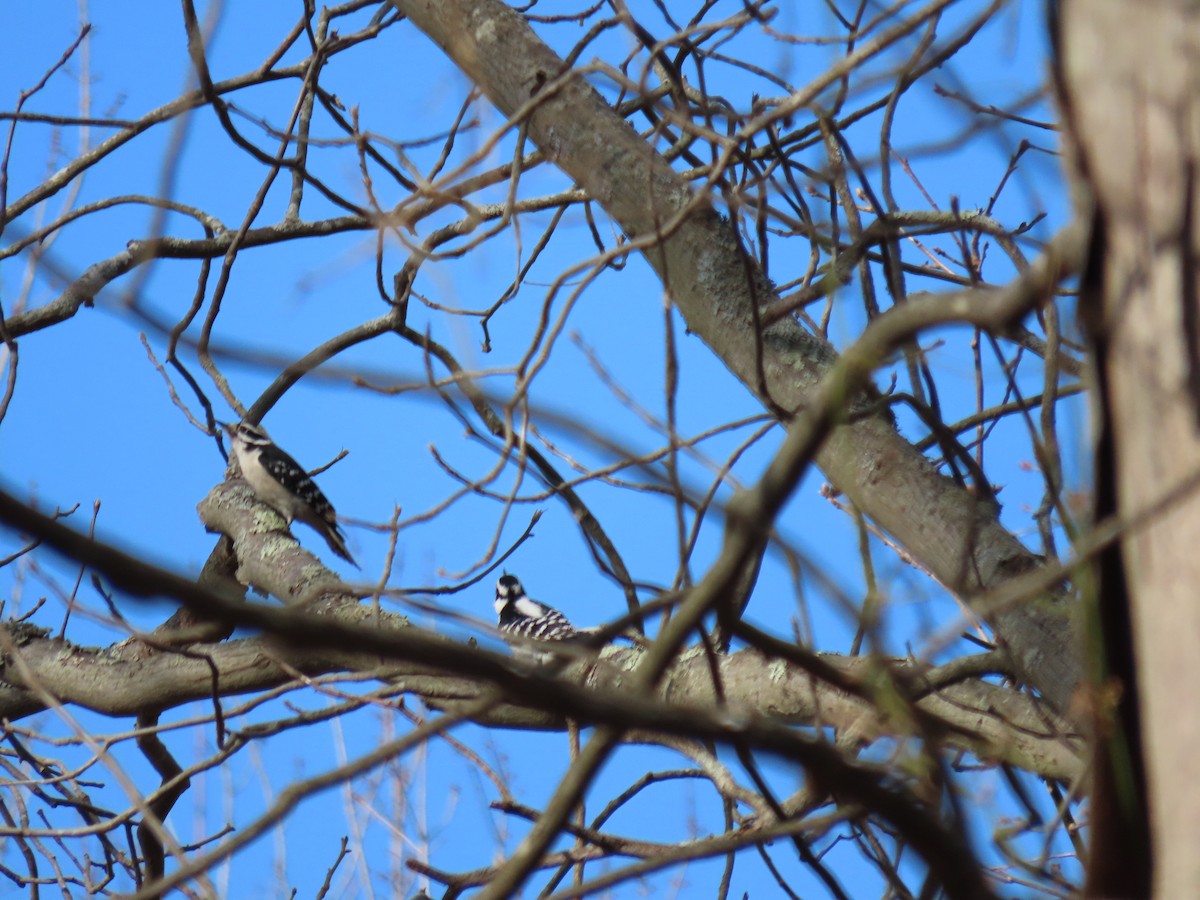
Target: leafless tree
x,y
580,145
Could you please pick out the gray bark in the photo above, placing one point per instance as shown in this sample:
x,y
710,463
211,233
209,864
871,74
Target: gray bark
x,y
993,722
1131,75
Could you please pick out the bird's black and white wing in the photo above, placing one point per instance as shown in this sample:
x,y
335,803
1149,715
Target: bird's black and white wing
x,y
524,619
283,484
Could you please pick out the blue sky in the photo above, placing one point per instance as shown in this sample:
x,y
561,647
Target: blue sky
x,y
92,419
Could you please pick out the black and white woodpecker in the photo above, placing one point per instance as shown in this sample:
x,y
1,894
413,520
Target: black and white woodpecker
x,y
524,620
281,483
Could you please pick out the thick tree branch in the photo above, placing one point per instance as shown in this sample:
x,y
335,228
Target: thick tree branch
x,y
995,723
342,636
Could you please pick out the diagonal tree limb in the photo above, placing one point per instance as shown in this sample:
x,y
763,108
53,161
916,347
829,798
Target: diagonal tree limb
x,y
953,534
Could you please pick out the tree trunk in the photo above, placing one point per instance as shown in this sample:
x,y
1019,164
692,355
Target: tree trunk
x,y
1131,74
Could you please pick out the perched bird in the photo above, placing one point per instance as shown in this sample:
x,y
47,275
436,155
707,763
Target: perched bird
x,y
525,619
281,483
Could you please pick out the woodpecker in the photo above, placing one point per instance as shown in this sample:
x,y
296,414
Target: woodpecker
x,y
281,483
525,619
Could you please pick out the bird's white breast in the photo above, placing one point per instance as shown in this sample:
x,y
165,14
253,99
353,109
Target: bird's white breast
x,y
268,490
